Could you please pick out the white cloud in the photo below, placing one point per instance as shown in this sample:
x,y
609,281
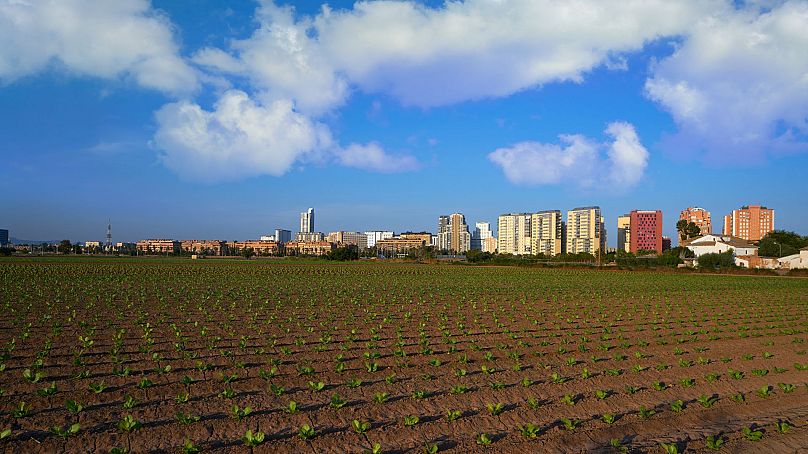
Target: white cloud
x,y
282,62
737,86
97,38
480,48
373,158
238,139
577,160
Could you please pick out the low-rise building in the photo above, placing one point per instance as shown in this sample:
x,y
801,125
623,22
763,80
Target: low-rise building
x,y
400,244
207,247
316,248
341,238
716,244
795,261
158,246
376,235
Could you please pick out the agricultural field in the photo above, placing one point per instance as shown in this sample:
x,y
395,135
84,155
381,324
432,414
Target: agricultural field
x,y
180,356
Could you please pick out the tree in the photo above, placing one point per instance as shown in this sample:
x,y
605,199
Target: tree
x,y
719,260
687,230
64,247
247,252
781,243
350,252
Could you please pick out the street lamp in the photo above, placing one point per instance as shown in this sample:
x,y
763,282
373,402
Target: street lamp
x,y
781,248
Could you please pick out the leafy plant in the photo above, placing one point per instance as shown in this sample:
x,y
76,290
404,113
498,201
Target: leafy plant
x,y
609,418
677,405
782,426
484,439
570,424
529,430
714,441
64,432
306,432
411,420
128,423
73,406
253,439
360,427
495,409
240,413
752,434
707,401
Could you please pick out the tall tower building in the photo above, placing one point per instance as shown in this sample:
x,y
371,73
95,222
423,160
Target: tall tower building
x,y
307,221
546,233
585,230
646,231
624,233
750,223
453,233
514,233
698,216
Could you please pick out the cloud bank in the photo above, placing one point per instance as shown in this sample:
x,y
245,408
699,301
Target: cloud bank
x,y
577,160
107,39
735,84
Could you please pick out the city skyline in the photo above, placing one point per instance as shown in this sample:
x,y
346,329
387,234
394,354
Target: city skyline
x,y
201,121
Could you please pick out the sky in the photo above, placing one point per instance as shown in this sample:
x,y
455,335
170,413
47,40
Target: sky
x,y
226,119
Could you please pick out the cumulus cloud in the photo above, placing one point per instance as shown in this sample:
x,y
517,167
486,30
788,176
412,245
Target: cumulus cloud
x,y
239,138
737,86
373,157
99,38
577,160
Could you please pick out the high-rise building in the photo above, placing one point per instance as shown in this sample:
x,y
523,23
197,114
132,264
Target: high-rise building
x,y
698,216
514,233
283,236
585,232
453,233
4,237
624,233
546,233
646,231
750,222
377,235
482,231
307,221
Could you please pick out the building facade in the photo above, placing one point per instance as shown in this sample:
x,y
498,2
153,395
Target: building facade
x,y
158,246
585,232
341,238
307,221
401,244
624,233
209,247
316,248
514,233
259,247
453,233
716,244
646,231
698,216
310,237
4,237
377,235
750,222
547,233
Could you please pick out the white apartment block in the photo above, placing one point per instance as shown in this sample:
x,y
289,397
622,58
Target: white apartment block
x,y
585,230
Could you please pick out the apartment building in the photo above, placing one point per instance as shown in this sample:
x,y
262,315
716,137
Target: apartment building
x,y
624,233
357,239
698,216
750,222
453,233
158,246
514,233
585,230
547,233
646,231
377,235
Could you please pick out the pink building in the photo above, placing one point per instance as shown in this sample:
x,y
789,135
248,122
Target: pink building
x,y
646,231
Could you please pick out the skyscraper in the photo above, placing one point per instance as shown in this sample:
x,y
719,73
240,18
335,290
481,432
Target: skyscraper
x,y
585,233
283,236
3,237
646,231
307,221
751,222
453,233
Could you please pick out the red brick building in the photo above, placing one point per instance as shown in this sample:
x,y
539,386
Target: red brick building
x,y
646,231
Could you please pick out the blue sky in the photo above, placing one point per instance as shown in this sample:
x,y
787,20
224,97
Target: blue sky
x,y
226,119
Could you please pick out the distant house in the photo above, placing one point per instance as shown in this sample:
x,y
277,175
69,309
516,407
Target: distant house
x,y
795,261
716,244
